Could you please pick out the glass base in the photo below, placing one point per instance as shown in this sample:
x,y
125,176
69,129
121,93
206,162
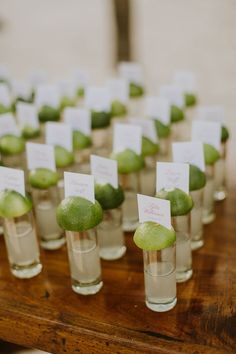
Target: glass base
x,y
195,245
208,218
129,226
87,289
220,195
181,277
110,255
53,244
161,307
26,272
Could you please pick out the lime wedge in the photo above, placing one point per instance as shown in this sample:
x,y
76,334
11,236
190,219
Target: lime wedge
x,y
81,141
151,236
4,109
197,178
118,109
80,92
28,132
108,196
224,134
149,148
100,119
49,114
177,114
128,161
13,204
190,99
211,155
12,145
67,102
63,157
162,130
181,203
78,214
43,178
135,90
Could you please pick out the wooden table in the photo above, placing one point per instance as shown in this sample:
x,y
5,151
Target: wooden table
x,y
45,313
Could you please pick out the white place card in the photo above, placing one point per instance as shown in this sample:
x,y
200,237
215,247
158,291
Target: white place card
x,y
189,152
67,88
131,71
186,80
21,89
174,94
97,98
172,175
79,185
207,132
212,113
119,90
158,108
78,119
47,95
37,77
40,156
26,114
148,127
8,125
127,136
154,209
59,134
11,178
104,170
4,72
5,97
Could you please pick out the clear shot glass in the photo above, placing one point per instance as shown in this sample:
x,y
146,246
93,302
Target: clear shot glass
x,y
197,240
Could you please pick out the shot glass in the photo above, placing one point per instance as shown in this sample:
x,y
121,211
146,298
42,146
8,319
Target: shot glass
x,y
148,176
208,195
100,139
110,235
22,246
220,178
164,153
14,161
181,225
82,160
84,260
160,279
45,204
196,219
131,186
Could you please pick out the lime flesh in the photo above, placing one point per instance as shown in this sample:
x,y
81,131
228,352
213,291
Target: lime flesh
x,y
108,196
181,203
13,204
43,178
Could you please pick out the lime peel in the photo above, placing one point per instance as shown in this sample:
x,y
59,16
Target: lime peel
x,y
149,147
128,161
12,144
13,204
211,155
108,196
43,178
63,157
181,203
197,178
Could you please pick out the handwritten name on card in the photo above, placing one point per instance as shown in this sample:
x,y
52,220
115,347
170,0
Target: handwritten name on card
x,y
189,152
154,209
77,184
172,175
59,134
40,156
127,136
11,178
158,108
104,170
207,132
26,114
79,119
8,125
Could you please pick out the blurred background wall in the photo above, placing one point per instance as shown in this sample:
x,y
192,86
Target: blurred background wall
x,y
166,35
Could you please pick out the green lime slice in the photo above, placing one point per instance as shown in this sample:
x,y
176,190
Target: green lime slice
x,y
149,148
5,109
49,114
128,161
108,196
63,157
177,114
12,145
28,132
80,92
197,178
181,203
118,109
78,214
224,134
80,140
162,130
151,236
43,178
100,119
13,204
211,155
190,99
135,90
67,102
